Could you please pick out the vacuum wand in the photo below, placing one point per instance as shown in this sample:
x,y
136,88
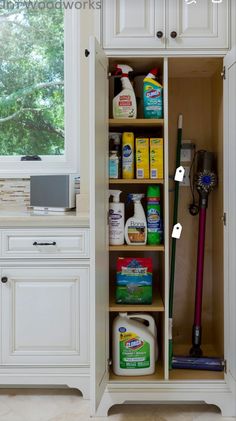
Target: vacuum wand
x,y
205,182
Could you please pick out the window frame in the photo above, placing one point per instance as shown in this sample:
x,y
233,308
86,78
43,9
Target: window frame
x,y
12,166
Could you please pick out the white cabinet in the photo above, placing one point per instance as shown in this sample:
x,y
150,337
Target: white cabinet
x,y
170,24
44,316
44,307
203,25
190,84
134,23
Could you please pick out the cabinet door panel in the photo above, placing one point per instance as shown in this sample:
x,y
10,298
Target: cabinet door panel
x,y
230,209
203,24
45,316
98,102
133,23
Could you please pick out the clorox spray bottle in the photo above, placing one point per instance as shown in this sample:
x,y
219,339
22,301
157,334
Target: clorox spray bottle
x,y
136,226
134,345
124,104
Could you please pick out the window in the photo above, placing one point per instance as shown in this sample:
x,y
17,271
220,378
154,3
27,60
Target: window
x,y
39,90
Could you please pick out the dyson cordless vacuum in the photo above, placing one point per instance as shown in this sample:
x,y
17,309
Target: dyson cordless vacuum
x,y
205,180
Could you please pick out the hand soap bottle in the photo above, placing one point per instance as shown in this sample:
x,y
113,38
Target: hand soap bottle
x,y
116,219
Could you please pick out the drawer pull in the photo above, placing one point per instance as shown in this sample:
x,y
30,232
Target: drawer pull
x,y
4,279
52,243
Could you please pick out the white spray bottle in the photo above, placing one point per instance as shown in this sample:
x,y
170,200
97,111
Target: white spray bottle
x,y
124,104
136,226
116,219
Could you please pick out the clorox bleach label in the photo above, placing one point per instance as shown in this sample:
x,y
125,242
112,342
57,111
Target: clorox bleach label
x,y
134,351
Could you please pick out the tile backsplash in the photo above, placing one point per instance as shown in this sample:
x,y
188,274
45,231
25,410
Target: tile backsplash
x,y
14,193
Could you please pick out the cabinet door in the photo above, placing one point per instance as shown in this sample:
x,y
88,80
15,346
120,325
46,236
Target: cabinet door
x,y
230,209
201,24
133,23
99,301
45,316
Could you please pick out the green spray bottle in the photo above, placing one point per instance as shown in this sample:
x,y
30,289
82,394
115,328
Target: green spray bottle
x,y
154,221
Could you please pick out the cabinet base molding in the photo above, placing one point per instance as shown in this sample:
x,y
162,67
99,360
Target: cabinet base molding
x,y
73,378
218,394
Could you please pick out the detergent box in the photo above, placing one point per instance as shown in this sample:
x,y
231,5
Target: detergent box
x,y
142,157
134,280
156,158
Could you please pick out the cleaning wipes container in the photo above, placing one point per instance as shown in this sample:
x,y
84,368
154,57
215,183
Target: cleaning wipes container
x,y
134,344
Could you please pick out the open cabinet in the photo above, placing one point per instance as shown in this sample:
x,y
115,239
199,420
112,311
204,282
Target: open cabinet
x,y
194,87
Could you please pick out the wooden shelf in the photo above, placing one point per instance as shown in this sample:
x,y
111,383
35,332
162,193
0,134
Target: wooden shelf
x,y
135,122
157,305
137,248
135,181
157,376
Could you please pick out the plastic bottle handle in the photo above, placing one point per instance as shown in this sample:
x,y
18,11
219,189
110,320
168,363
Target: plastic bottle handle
x,y
146,317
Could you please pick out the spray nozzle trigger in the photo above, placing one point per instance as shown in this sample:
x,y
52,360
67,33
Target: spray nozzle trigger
x,y
116,195
135,197
124,69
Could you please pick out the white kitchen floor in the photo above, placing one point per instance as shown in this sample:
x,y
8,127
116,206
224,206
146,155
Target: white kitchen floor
x,y
68,405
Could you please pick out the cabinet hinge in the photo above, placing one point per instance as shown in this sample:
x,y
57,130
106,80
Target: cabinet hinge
x,y
224,219
109,362
223,73
86,52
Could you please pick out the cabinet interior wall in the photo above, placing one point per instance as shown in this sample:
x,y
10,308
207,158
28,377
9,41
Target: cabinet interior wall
x,y
195,89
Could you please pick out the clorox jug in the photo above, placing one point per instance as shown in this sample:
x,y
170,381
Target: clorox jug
x,y
134,345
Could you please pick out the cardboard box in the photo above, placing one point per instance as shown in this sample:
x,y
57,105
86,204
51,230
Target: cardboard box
x,y
142,157
156,158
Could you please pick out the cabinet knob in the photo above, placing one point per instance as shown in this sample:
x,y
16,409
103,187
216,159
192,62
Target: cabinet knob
x,y
159,34
4,279
173,34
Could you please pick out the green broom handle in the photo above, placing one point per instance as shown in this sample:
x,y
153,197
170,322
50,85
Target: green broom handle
x,y
175,220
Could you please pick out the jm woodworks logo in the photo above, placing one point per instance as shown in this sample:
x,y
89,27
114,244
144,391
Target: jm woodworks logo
x,y
40,5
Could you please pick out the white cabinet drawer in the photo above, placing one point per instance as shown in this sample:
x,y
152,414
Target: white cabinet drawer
x,y
47,243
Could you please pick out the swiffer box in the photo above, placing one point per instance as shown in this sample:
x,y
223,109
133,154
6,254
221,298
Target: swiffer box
x,y
156,158
142,157
134,280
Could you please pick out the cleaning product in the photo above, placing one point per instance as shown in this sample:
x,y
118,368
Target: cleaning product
x,y
128,155
136,226
152,96
116,219
156,158
113,164
124,104
134,280
142,157
154,222
115,155
134,345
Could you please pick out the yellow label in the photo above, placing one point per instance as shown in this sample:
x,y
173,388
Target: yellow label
x,y
142,157
156,158
128,155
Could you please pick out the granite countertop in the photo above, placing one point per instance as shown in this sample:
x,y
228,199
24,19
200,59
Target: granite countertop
x,y
28,218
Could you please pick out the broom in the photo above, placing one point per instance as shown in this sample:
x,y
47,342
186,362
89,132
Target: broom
x,y
173,246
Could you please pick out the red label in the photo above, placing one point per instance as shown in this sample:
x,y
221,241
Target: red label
x,y
125,103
